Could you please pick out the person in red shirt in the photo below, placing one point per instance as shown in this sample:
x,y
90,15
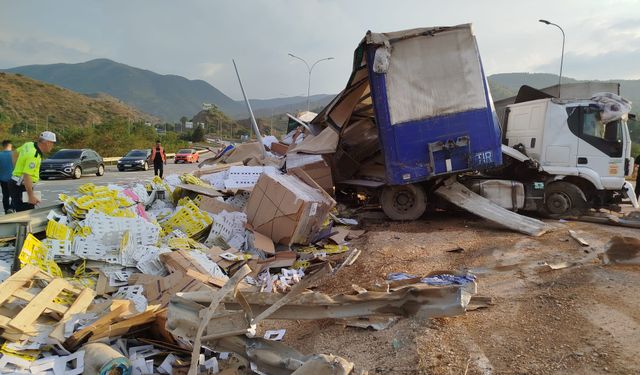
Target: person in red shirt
x,y
159,159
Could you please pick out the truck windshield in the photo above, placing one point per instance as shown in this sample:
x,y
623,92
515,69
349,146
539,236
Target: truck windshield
x,y
585,122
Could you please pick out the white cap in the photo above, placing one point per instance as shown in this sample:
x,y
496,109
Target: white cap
x,y
48,136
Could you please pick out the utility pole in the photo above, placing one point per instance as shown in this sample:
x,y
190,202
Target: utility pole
x,y
561,55
309,69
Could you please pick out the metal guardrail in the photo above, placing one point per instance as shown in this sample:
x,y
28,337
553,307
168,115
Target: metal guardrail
x,y
114,159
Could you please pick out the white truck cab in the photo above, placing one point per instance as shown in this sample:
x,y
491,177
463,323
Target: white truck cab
x,y
584,142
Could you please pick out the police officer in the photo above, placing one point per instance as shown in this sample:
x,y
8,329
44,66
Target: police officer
x,y
26,171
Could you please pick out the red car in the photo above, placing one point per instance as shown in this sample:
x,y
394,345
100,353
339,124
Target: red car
x,y
186,155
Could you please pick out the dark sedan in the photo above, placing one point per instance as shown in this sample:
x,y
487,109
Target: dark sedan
x,y
72,163
135,159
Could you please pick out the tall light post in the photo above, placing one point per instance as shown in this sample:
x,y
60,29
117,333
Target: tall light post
x,y
310,69
561,55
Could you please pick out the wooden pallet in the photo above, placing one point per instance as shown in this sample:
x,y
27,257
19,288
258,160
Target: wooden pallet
x,y
18,286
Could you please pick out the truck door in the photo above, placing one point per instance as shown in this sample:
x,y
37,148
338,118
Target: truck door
x,y
600,145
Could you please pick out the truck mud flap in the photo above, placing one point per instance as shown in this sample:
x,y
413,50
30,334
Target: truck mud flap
x,y
462,197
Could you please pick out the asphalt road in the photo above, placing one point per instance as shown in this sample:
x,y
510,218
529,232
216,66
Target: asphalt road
x,y
51,188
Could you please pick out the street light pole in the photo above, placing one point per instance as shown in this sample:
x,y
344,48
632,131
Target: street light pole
x,y
309,69
561,55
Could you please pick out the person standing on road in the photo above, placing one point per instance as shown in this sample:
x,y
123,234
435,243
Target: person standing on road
x,y
6,169
26,172
159,159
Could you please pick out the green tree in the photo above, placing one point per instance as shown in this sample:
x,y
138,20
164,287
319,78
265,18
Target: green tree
x,y
198,134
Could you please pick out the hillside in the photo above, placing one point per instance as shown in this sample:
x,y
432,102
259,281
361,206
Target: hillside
x,y
166,96
507,84
25,100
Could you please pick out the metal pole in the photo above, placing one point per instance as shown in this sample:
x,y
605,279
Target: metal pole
x,y
253,119
309,69
561,55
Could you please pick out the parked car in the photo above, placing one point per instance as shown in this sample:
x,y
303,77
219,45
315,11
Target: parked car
x,y
186,155
72,163
135,159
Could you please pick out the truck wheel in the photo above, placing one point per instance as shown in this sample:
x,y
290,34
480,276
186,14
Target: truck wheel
x,y
403,202
564,199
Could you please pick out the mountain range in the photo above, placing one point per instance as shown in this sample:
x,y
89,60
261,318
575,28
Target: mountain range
x,y
168,97
31,103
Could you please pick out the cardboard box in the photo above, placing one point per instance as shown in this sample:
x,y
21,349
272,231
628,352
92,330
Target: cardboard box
x,y
320,172
288,208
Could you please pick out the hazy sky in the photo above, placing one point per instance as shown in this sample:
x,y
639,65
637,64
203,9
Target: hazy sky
x,y
197,39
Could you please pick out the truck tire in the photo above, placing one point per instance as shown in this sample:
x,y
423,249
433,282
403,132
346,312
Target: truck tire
x,y
403,202
563,199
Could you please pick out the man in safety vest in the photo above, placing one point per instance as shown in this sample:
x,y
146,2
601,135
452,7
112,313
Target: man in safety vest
x,y
26,170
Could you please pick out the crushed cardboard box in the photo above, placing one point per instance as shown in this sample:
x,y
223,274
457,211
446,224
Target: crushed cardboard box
x,y
288,208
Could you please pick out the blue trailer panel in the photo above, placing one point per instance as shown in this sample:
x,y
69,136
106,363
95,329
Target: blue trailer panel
x,y
451,126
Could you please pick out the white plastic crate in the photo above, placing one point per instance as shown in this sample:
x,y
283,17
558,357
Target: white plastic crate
x,y
149,261
212,267
134,294
58,248
228,225
239,200
216,179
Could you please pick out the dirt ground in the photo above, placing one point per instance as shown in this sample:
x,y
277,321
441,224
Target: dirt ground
x,y
583,319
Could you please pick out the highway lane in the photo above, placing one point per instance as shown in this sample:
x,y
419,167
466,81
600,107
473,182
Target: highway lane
x,y
52,188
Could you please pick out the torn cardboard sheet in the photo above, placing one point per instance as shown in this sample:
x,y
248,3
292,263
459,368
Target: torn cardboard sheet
x,y
244,151
323,143
263,243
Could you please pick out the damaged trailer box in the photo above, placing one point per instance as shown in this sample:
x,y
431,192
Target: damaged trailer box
x,y
418,104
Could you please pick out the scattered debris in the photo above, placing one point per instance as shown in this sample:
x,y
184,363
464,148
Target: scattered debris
x,y
461,196
579,239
